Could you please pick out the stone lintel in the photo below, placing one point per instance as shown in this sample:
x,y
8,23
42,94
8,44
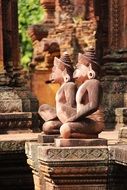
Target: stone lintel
x,y
80,142
42,138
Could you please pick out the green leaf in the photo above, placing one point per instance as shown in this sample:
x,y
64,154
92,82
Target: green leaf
x,y
30,12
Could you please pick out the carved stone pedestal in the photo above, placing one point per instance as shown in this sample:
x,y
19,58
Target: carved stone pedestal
x,y
18,110
68,168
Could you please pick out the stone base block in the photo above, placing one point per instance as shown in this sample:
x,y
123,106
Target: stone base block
x,y
80,142
76,187
16,122
73,168
42,138
70,168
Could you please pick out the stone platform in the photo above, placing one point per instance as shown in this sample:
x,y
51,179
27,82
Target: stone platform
x,y
59,142
42,138
81,162
14,171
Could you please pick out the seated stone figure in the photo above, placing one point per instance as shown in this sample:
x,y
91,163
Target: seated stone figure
x,y
62,73
87,122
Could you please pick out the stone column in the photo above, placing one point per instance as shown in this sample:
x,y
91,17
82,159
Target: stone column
x,y
3,80
113,53
17,68
49,5
18,107
10,41
1,40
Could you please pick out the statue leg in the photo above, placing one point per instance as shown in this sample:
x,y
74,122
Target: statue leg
x,y
52,127
47,112
86,129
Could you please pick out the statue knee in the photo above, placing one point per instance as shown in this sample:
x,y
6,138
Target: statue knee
x,y
47,127
65,131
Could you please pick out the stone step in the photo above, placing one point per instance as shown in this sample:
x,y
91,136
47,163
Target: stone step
x,y
18,122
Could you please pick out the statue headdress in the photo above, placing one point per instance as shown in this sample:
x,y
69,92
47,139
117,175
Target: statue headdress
x,y
89,59
64,60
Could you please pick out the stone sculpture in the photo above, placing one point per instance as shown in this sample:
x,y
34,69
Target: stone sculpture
x,y
44,49
62,73
87,122
77,114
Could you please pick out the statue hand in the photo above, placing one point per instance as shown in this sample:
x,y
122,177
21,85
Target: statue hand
x,y
73,118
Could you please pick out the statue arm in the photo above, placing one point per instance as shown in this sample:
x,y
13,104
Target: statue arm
x,y
70,94
47,112
90,107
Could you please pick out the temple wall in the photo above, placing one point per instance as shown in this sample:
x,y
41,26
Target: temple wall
x,y
69,24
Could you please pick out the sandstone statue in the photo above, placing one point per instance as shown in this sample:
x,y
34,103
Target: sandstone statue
x,y
77,113
87,122
62,73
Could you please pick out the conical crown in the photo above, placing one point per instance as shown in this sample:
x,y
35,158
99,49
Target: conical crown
x,y
90,53
89,58
65,58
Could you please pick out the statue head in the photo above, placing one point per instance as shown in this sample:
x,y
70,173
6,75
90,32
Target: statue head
x,y
62,70
87,66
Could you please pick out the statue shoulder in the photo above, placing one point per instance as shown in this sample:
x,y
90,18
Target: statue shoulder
x,y
93,82
70,85
89,85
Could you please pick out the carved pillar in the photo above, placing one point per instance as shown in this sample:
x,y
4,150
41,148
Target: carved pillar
x,y
112,46
1,40
64,11
123,20
49,5
117,25
10,41
17,68
15,36
3,80
102,17
18,107
114,25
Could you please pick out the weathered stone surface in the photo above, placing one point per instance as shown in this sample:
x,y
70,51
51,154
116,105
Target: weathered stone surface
x,y
18,110
120,154
42,138
11,146
80,142
14,171
59,168
10,101
75,187
30,150
73,153
114,97
17,122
